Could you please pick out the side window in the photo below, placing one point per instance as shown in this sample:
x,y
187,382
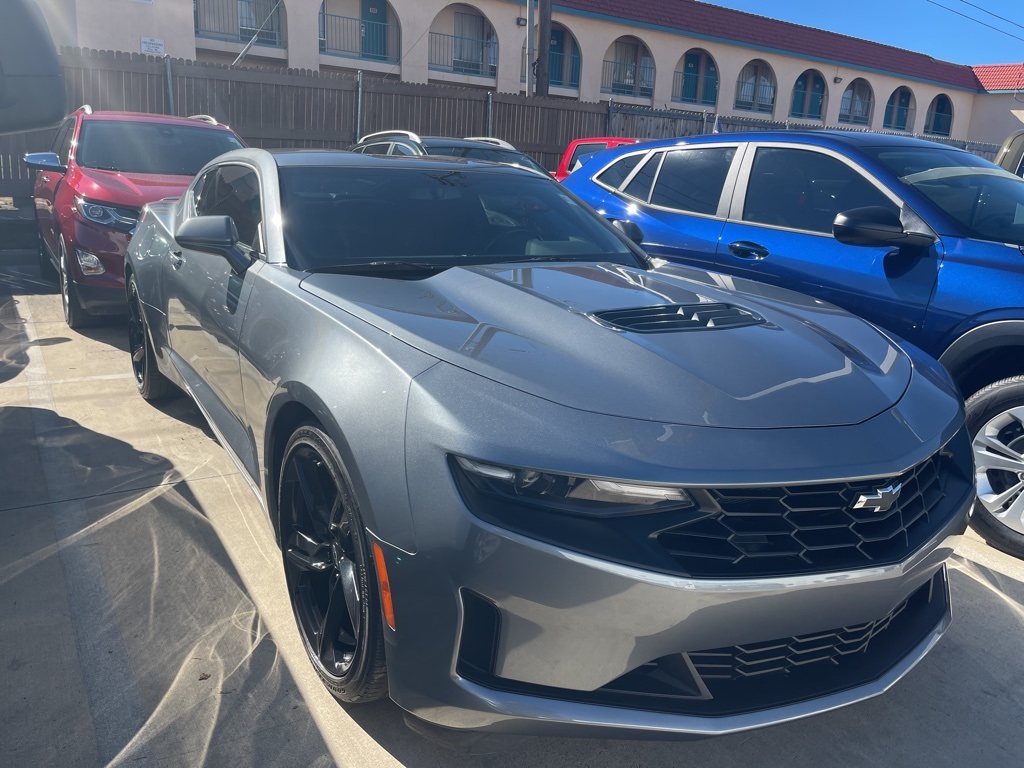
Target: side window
x,y
401,149
639,186
234,191
617,172
803,189
202,193
691,180
62,143
377,149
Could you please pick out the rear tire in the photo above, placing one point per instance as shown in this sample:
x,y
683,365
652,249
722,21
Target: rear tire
x,y
152,384
995,419
46,269
329,569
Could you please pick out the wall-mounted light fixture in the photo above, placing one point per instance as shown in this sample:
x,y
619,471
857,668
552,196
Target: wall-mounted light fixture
x,y
837,79
520,21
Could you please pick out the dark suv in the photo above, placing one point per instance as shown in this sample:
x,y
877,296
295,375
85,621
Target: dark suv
x,y
102,168
474,147
923,239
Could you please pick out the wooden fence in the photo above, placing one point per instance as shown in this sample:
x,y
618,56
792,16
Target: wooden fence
x,y
310,109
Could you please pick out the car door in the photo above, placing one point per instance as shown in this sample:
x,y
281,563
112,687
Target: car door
x,y
676,197
206,303
47,183
779,231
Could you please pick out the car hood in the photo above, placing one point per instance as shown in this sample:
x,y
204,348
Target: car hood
x,y
533,327
132,190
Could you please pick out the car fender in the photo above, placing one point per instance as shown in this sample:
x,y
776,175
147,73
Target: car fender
x,y
958,356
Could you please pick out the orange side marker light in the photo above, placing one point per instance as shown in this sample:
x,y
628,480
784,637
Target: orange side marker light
x,y
385,585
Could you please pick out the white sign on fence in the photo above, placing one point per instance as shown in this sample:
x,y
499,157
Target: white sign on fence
x,y
153,46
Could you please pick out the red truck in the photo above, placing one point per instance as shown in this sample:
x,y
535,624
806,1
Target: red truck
x,y
580,148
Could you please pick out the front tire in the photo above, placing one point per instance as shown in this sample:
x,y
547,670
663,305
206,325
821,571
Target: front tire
x,y
75,314
329,569
995,418
152,384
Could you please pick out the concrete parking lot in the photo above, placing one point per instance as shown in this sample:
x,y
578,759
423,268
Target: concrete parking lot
x,y
144,619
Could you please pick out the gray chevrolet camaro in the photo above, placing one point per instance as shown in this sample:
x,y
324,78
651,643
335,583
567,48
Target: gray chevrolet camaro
x,y
527,480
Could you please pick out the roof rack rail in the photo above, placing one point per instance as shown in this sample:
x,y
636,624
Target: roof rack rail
x,y
391,134
491,140
204,118
85,108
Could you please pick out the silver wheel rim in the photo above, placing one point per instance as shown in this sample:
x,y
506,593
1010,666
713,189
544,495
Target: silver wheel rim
x,y
999,468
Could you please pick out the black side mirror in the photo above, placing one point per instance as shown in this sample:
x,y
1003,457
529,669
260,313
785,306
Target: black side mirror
x,y
31,79
629,229
216,235
876,225
44,161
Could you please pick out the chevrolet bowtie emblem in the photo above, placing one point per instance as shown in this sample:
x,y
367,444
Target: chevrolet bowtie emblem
x,y
881,500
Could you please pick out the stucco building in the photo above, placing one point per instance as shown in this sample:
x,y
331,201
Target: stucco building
x,y
664,53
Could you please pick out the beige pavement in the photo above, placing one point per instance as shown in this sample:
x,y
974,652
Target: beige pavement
x,y
144,620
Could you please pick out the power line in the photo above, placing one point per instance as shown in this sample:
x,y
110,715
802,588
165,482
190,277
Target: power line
x,y
1001,18
976,21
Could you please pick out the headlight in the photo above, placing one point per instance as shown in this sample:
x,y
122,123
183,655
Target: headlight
x,y
564,493
124,219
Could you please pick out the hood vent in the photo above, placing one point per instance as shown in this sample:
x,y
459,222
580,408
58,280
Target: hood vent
x,y
678,317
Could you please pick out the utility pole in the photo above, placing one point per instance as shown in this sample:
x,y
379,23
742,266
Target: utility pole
x,y
544,47
529,48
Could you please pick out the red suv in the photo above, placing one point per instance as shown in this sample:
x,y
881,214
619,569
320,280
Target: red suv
x,y
102,169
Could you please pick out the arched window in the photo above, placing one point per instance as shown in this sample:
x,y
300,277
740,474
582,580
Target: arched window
x,y
808,96
939,121
375,35
564,61
696,79
899,110
463,41
755,88
628,69
857,104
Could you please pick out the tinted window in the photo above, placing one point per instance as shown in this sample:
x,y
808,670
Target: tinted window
x,y
176,150
582,150
62,141
802,189
402,149
344,215
986,200
640,185
376,149
617,172
233,190
692,179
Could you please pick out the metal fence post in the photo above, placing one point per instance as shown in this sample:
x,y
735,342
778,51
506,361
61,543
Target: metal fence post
x,y
170,85
359,105
611,110
490,114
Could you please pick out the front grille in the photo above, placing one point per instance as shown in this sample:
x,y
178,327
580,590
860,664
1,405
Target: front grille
x,y
678,317
782,656
767,531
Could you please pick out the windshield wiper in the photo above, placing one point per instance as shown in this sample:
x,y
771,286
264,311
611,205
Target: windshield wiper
x,y
104,168
383,266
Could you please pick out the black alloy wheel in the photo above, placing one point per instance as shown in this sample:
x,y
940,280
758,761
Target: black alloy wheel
x,y
152,384
330,575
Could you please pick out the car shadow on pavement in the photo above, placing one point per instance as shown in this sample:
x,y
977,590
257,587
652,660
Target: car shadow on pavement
x,y
961,706
127,636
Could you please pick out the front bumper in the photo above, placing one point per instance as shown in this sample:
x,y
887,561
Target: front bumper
x,y
570,628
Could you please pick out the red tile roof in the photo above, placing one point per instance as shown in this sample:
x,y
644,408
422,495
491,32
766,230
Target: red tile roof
x,y
1000,77
690,16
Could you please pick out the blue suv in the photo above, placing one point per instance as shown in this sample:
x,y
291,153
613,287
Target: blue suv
x,y
922,239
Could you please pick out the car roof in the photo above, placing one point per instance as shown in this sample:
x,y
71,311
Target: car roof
x,y
824,138
149,117
291,158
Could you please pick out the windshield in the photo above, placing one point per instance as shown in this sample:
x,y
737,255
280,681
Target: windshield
x,y
148,147
986,200
335,216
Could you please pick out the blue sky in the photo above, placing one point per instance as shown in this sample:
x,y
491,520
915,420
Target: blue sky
x,y
916,25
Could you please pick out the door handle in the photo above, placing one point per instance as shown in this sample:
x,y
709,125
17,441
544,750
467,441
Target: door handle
x,y
748,250
176,260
